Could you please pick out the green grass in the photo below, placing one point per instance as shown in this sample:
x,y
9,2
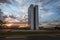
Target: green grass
x,y
28,33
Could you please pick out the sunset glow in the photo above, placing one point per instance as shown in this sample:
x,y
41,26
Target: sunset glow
x,y
19,25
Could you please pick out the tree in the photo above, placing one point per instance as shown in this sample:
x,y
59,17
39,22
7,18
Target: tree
x,y
1,22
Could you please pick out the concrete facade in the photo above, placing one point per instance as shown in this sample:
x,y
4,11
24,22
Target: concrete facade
x,y
36,18
33,17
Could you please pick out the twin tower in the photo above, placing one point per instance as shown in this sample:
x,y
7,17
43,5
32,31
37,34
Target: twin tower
x,y
33,17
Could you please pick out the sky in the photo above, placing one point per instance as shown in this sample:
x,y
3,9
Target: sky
x,y
49,10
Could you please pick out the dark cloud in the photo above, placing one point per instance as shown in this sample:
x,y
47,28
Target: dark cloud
x,y
4,1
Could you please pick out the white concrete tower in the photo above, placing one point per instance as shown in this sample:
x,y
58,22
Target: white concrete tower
x,y
36,18
33,17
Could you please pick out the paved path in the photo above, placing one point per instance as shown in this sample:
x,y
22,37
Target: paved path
x,y
32,37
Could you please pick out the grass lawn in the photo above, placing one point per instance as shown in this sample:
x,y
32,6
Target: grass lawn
x,y
29,33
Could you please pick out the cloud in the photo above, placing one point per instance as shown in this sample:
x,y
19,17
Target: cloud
x,y
17,15
23,9
50,13
1,4
21,1
57,5
38,1
4,1
16,11
7,13
42,15
9,19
